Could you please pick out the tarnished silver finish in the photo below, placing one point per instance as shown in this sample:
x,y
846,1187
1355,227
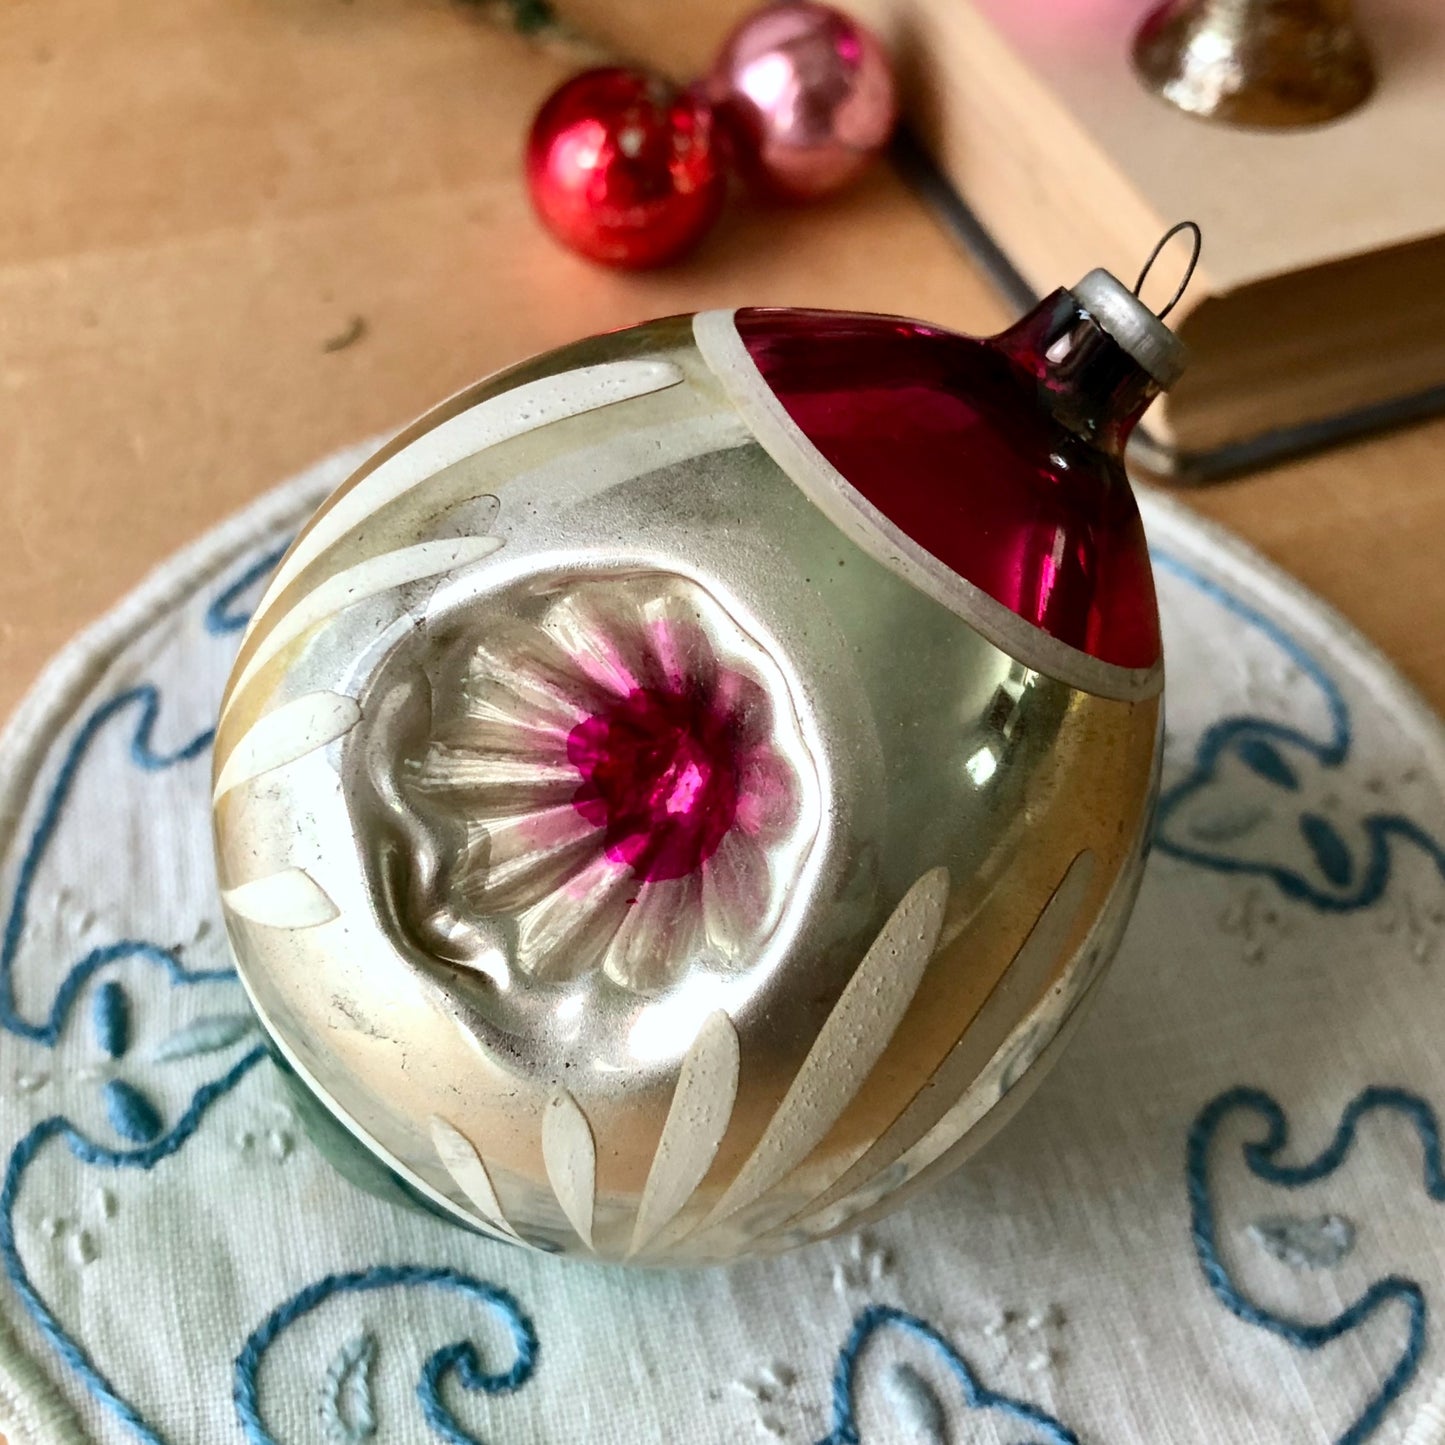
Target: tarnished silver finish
x,y
935,838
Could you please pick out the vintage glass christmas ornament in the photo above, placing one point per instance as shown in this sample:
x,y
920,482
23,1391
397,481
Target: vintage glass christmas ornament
x,y
623,167
673,800
807,95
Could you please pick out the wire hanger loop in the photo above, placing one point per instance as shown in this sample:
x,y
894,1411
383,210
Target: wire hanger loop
x,y
1164,240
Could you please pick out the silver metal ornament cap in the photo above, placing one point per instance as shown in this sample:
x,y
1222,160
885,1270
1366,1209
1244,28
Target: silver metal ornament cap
x,y
1136,329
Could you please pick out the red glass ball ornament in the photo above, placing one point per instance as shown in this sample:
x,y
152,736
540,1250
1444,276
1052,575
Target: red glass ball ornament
x,y
807,96
623,167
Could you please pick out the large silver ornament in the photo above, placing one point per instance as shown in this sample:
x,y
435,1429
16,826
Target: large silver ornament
x,y
635,844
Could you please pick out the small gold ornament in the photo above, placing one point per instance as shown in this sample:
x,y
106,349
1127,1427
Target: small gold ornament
x,y
1272,63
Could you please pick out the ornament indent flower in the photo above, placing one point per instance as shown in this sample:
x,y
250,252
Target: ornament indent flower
x,y
635,792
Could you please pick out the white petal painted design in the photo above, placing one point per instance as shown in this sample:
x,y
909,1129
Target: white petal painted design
x,y
570,1155
462,1161
355,584
524,409
849,1043
291,898
290,732
1021,983
702,1105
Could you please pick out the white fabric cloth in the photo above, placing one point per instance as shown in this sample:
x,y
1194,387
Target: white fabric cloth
x,y
1116,1267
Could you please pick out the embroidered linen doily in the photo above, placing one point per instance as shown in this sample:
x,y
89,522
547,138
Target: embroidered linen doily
x,y
1220,1220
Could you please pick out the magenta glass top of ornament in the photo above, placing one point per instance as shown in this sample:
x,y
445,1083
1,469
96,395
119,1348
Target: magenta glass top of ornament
x,y
948,437
660,777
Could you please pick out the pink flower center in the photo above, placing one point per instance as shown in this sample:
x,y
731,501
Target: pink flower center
x,y
660,777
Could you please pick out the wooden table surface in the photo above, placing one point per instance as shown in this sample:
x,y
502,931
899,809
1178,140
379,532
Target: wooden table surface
x,y
197,197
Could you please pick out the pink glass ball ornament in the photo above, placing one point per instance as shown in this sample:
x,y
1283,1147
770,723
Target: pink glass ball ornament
x,y
807,96
675,800
623,168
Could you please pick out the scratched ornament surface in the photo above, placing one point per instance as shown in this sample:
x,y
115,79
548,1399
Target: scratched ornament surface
x,y
1219,1218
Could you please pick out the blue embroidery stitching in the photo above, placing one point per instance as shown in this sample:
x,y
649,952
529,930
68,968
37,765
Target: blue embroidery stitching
x,y
131,1114
1257,743
460,1357
143,754
977,1395
135,1117
111,1013
1262,1158
222,616
90,1152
